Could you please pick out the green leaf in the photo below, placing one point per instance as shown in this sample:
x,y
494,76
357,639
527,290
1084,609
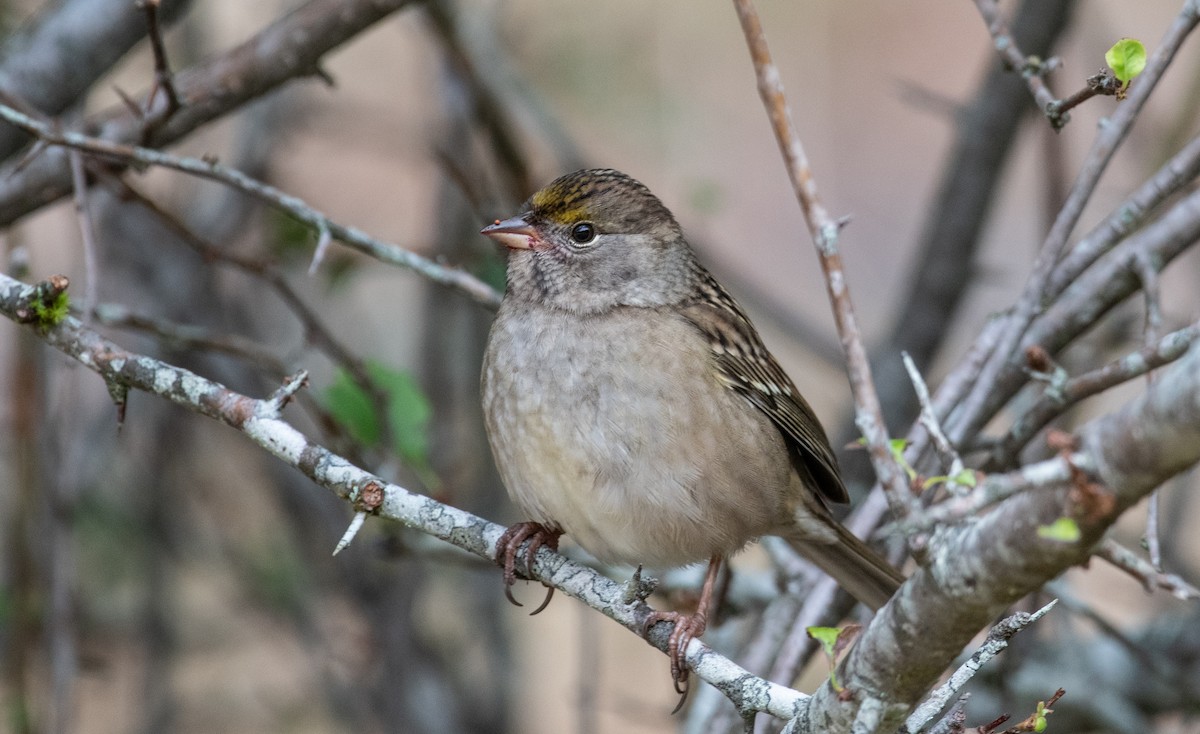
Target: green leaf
x,y
1127,59
1039,719
1063,530
351,407
966,478
290,239
827,636
834,642
897,445
407,412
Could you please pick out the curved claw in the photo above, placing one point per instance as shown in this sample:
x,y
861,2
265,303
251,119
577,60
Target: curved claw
x,y
509,595
545,602
508,546
683,696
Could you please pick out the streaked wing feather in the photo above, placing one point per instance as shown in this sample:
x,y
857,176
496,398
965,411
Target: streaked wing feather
x,y
750,370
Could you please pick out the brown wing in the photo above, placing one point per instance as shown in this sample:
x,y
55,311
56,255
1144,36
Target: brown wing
x,y
750,370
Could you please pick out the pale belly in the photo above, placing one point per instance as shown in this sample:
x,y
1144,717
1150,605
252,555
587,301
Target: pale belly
x,y
632,451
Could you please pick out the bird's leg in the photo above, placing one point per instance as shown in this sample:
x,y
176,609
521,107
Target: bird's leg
x,y
510,542
686,627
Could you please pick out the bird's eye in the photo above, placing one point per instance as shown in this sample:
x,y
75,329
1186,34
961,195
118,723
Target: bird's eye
x,y
583,233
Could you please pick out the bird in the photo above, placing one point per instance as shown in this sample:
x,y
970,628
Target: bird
x,y
631,405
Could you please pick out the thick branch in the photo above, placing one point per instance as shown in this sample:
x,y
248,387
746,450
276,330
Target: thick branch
x,y
976,571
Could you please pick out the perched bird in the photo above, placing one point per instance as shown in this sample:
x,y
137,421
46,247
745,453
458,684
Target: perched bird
x,y
631,405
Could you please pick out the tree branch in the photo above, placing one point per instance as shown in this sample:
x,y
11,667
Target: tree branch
x,y
976,571
352,236
259,420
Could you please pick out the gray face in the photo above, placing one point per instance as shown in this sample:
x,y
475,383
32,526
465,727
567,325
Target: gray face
x,y
605,240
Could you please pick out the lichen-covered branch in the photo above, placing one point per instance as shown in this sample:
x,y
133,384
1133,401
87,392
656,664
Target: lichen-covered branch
x,y
261,422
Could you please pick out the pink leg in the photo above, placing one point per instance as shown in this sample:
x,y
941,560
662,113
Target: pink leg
x,y
686,627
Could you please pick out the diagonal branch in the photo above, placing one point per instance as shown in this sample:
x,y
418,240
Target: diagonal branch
x,y
260,421
825,232
976,571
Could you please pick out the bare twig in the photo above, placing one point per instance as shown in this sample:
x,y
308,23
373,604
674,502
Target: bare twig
x,y
163,80
1102,83
189,337
930,421
1052,403
1150,576
825,232
1151,293
1032,70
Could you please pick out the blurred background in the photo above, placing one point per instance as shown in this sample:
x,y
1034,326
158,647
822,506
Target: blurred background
x,y
169,576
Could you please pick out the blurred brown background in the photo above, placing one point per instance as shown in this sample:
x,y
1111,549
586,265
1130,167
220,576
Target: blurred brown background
x,y
193,580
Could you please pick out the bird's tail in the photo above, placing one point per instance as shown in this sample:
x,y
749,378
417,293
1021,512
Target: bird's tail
x,y
858,569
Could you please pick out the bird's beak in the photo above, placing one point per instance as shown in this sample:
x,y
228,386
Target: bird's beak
x,y
514,233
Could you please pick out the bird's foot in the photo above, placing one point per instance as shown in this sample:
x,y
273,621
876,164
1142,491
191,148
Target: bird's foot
x,y
686,627
510,542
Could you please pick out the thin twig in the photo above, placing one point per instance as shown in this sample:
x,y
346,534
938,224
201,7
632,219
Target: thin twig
x,y
997,641
825,232
1052,403
930,421
1151,578
1032,70
351,236
163,79
1103,83
1148,275
994,488
188,337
